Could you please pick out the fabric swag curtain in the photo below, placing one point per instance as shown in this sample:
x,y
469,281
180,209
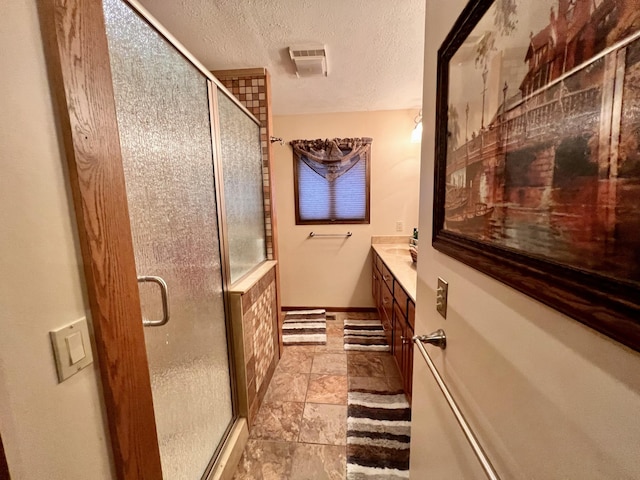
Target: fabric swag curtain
x,y
331,158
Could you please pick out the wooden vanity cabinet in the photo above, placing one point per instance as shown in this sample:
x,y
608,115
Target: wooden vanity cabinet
x,y
404,320
397,314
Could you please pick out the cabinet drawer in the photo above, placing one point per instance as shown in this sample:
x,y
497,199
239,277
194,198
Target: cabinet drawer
x,y
411,314
401,299
387,277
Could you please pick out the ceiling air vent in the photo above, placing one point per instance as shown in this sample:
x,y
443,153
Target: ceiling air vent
x,y
310,61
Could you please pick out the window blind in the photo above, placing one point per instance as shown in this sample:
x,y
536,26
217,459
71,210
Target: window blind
x,y
344,199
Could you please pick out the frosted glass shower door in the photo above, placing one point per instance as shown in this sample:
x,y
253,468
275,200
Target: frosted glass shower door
x,y
165,133
244,202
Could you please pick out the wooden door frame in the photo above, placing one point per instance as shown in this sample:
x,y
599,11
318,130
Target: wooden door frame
x,y
80,76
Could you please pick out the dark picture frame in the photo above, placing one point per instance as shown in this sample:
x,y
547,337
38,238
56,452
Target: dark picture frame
x,y
518,195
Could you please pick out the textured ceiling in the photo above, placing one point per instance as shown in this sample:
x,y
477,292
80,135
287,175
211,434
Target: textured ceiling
x,y
374,47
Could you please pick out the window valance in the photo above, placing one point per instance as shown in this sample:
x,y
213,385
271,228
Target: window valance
x,y
331,158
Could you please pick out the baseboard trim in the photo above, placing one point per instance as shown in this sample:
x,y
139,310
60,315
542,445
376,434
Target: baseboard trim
x,y
332,309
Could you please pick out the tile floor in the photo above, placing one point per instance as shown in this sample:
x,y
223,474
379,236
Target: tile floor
x,y
300,431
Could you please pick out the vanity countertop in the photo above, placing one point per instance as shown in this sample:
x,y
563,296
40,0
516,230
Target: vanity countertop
x,y
397,258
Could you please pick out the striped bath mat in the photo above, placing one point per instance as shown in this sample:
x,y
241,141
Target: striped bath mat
x,y
305,327
378,435
365,335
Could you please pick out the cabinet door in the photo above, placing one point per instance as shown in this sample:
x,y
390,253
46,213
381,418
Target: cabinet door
x,y
398,337
401,298
407,361
375,284
411,314
387,278
386,315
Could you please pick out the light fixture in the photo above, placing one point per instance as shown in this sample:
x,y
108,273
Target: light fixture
x,y
416,135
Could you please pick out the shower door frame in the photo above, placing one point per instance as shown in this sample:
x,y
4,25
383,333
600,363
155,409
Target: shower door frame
x,y
80,77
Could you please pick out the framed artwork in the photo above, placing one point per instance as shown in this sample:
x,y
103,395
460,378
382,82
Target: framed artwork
x,y
538,153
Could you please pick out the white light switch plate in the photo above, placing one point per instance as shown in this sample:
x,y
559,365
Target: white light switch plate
x,y
71,348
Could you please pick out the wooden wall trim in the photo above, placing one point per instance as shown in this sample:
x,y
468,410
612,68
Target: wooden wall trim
x,y
80,77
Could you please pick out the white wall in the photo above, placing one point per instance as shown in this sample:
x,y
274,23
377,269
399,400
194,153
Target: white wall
x,y
547,396
337,272
49,430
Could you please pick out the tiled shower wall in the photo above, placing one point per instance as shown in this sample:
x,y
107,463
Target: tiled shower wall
x,y
255,330
252,87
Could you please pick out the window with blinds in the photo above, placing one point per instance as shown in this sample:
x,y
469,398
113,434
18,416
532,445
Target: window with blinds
x,y
343,200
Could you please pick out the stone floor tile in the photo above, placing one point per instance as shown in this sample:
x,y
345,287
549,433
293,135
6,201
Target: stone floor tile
x,y
299,348
324,424
327,389
265,460
395,383
334,363
278,421
335,329
287,387
295,360
335,343
318,462
360,315
300,430
389,363
377,384
361,364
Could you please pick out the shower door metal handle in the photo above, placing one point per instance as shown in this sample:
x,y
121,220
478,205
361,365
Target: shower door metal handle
x,y
164,293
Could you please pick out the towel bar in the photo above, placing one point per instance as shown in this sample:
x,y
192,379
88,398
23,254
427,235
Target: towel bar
x,y
438,339
313,234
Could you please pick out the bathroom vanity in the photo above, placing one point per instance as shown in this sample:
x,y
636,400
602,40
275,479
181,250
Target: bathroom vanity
x,y
394,294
